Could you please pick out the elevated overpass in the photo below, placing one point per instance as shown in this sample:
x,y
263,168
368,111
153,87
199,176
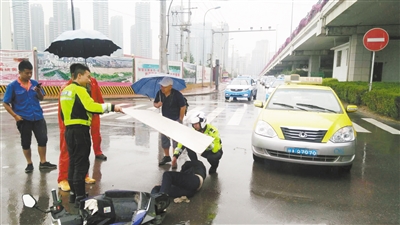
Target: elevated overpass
x,y
329,42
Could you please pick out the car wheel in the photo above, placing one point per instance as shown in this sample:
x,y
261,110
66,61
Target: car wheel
x,y
226,98
254,97
249,98
257,159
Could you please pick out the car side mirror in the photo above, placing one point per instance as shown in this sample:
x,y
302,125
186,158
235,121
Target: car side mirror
x,y
258,103
351,108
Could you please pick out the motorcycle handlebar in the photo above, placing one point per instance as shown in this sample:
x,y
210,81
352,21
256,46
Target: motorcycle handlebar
x,y
54,196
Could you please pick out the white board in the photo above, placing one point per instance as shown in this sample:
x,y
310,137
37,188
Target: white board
x,y
185,135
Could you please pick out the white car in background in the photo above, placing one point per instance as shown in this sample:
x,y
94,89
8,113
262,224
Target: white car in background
x,y
273,86
241,87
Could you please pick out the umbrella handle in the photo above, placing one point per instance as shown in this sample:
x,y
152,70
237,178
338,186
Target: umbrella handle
x,y
148,97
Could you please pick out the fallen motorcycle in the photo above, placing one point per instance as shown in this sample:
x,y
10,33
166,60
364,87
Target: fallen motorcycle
x,y
112,207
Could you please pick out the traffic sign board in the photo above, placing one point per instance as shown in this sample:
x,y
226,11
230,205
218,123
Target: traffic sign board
x,y
376,39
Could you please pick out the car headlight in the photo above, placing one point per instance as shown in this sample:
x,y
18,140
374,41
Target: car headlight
x,y
264,129
345,134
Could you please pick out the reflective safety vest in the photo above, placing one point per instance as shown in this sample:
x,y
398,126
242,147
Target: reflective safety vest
x,y
215,146
77,106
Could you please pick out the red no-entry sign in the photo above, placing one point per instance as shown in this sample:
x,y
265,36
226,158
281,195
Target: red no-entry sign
x,y
376,39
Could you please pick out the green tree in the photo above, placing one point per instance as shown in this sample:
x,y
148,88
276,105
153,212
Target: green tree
x,y
191,58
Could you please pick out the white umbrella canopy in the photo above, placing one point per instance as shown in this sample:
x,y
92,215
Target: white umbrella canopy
x,y
82,44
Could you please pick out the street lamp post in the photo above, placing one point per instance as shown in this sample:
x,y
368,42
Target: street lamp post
x,y
204,41
225,54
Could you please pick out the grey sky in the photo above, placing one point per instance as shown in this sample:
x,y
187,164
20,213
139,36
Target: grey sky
x,y
241,14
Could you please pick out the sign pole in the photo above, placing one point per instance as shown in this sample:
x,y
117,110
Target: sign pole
x,y
372,71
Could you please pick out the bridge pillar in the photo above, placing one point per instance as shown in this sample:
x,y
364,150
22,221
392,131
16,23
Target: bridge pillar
x,y
295,65
314,63
359,59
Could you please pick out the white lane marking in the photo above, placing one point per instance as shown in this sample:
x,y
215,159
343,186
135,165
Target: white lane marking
x,y
50,113
124,117
41,104
49,109
360,129
382,126
237,116
211,116
195,109
50,104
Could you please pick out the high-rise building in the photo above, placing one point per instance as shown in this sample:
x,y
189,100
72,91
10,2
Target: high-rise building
x,y
51,31
132,35
59,22
117,33
196,42
37,27
220,39
142,38
22,30
259,58
5,26
77,18
47,41
100,16
223,46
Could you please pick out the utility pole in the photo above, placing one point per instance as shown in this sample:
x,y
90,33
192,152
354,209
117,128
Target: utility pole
x,y
73,15
184,27
163,67
181,50
188,37
233,48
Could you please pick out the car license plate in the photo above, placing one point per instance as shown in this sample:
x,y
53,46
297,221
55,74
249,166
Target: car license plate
x,y
302,151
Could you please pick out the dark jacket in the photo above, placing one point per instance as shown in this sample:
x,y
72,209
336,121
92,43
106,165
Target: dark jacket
x,y
194,167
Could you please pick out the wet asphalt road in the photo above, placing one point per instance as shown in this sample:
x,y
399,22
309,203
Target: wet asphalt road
x,y
243,192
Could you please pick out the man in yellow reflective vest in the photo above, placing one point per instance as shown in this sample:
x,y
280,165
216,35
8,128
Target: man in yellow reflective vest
x,y
77,108
213,153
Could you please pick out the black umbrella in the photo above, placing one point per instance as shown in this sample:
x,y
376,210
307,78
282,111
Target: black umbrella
x,y
82,44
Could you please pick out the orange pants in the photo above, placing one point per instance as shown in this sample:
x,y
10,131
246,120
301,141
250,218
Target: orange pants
x,y
63,163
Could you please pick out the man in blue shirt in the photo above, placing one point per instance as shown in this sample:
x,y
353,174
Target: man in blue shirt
x,y
21,101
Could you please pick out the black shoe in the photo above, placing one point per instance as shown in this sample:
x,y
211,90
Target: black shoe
x,y
29,168
101,157
164,160
212,170
47,165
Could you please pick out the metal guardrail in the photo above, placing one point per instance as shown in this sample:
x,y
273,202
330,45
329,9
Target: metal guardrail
x,y
53,92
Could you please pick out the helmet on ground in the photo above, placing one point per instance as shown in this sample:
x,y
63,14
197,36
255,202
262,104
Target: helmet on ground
x,y
198,117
